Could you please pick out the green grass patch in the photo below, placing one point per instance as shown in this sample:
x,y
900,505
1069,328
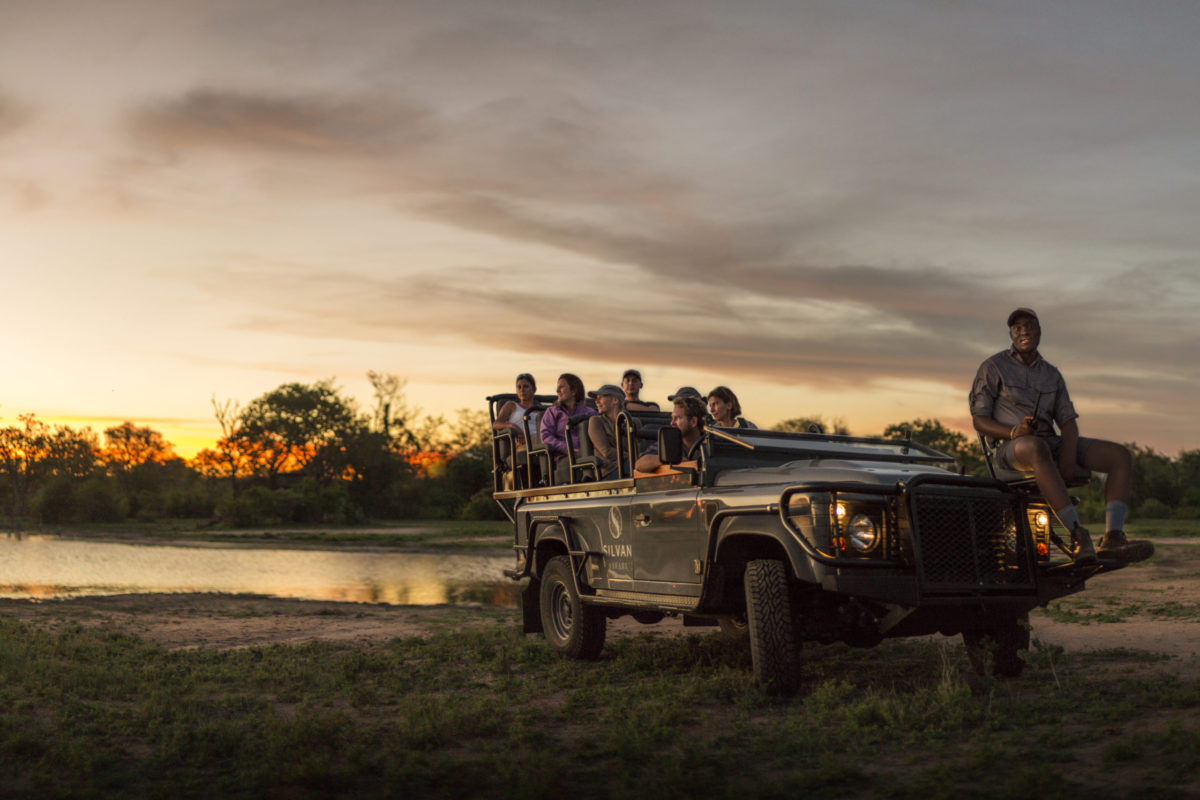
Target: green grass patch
x,y
487,712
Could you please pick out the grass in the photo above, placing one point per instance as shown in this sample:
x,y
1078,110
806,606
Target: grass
x,y
1163,528
486,712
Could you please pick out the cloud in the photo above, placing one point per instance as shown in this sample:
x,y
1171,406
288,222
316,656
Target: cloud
x,y
14,114
305,126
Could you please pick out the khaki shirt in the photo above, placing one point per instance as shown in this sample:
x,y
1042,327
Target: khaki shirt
x,y
1008,391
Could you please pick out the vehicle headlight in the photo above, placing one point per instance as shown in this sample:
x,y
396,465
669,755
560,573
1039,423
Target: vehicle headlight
x,y
862,533
1041,519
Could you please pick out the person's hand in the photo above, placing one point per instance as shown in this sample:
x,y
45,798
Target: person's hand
x,y
1024,428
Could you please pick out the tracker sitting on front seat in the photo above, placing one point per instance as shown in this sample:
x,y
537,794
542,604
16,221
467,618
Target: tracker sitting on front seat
x,y
1016,400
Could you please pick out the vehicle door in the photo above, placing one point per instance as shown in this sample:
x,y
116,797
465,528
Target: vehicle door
x,y
670,537
615,535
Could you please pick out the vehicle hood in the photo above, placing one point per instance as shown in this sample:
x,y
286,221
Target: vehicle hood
x,y
826,470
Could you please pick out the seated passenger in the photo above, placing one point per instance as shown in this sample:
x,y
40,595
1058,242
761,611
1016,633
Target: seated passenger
x,y
570,403
688,417
602,428
512,413
631,382
691,391
725,409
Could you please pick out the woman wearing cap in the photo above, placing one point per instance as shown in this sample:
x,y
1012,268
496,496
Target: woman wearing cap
x,y
725,409
602,428
512,414
554,422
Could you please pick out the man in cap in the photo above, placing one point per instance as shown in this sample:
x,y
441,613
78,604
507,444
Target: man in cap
x,y
688,417
631,382
1016,400
602,428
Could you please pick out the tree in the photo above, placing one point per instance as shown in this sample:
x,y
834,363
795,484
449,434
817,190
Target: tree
x,y
298,427
229,459
933,433
33,453
837,425
128,446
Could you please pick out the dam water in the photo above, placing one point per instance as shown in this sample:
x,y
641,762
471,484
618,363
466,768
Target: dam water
x,y
36,566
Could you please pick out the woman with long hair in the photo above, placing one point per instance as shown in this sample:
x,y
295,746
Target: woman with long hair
x,y
570,402
513,413
725,409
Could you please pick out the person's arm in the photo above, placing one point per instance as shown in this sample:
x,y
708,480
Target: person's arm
x,y
648,462
604,446
551,420
982,398
502,419
992,429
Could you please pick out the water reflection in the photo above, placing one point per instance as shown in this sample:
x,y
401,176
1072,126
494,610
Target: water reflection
x,y
47,567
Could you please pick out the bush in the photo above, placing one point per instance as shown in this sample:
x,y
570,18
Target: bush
x,y
251,508
482,506
304,503
1090,509
1153,509
95,499
1186,512
193,502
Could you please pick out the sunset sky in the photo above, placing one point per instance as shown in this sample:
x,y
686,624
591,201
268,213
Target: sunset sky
x,y
829,206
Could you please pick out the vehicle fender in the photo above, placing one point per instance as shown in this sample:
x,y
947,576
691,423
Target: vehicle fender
x,y
547,538
740,538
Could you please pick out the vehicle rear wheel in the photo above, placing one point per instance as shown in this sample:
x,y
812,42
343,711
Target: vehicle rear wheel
x,y
774,648
1003,642
573,629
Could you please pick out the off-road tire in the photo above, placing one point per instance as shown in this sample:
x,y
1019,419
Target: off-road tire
x,y
774,648
1003,642
573,629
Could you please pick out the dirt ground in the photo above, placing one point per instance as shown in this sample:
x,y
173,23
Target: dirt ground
x,y
1159,600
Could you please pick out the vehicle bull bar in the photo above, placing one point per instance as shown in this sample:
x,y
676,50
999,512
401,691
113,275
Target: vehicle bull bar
x,y
833,489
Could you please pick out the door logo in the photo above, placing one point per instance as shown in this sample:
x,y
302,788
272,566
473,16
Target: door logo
x,y
614,522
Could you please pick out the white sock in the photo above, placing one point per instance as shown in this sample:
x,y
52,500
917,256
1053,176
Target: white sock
x,y
1068,517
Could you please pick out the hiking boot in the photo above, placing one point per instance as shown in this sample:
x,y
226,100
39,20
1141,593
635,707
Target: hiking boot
x,y
1082,550
1114,545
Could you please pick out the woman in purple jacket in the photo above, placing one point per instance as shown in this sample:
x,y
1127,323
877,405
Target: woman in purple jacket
x,y
570,403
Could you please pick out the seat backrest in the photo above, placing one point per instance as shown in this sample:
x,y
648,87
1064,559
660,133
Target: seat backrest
x,y
582,459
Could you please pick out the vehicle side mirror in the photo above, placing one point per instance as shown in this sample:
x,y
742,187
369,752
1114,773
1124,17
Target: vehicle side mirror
x,y
670,445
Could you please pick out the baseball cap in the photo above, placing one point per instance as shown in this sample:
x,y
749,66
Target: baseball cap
x,y
610,390
686,391
632,372
1022,312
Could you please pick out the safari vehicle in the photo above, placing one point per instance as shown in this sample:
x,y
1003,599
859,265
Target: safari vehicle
x,y
781,538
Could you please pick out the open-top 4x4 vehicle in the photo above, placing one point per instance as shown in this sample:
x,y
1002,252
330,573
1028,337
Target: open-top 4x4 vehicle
x,y
782,538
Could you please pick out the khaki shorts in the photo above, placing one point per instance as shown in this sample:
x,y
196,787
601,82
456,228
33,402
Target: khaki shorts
x,y
1003,450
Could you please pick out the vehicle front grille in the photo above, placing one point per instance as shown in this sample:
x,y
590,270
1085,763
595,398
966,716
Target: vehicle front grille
x,y
968,541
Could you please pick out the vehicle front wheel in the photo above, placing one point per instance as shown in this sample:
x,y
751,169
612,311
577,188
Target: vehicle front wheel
x,y
774,648
1003,642
573,629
